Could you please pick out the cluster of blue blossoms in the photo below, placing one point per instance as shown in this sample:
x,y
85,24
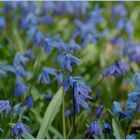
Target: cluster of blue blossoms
x,y
30,19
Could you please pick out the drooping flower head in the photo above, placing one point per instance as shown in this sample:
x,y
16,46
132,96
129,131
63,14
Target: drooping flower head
x,y
5,106
107,127
67,61
45,75
29,102
20,128
93,129
80,92
99,111
20,89
116,69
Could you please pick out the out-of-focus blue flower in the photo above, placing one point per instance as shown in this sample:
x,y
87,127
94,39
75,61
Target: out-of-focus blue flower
x,y
38,38
68,113
93,129
29,103
67,61
5,106
2,23
134,96
126,25
20,59
117,107
48,97
99,111
71,8
132,136
86,31
118,41
131,106
20,128
20,89
73,46
96,15
46,19
121,114
132,50
116,69
60,79
107,127
29,20
17,69
118,10
45,75
50,42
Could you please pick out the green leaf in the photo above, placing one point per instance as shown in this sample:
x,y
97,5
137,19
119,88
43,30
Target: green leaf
x,y
27,136
117,130
50,113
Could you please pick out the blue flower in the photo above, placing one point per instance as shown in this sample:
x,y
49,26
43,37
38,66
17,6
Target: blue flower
x,y
93,129
125,24
17,69
68,82
50,42
60,79
119,10
45,19
121,114
80,91
20,128
67,61
68,113
5,106
132,136
20,89
134,96
132,51
107,127
2,23
99,111
29,102
86,31
118,41
45,75
20,59
96,15
38,38
117,107
116,69
48,97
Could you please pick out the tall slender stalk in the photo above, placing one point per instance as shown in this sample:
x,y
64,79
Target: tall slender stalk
x,y
63,114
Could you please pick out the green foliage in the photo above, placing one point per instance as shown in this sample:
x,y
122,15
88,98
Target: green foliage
x,y
50,114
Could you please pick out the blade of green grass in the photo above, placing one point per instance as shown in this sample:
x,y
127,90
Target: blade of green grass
x,y
50,113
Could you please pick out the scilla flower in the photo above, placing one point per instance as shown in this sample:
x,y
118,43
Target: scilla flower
x,y
93,129
80,92
20,89
67,61
116,69
45,75
5,106
19,128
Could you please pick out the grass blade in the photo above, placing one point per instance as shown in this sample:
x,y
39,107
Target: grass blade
x,y
50,113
